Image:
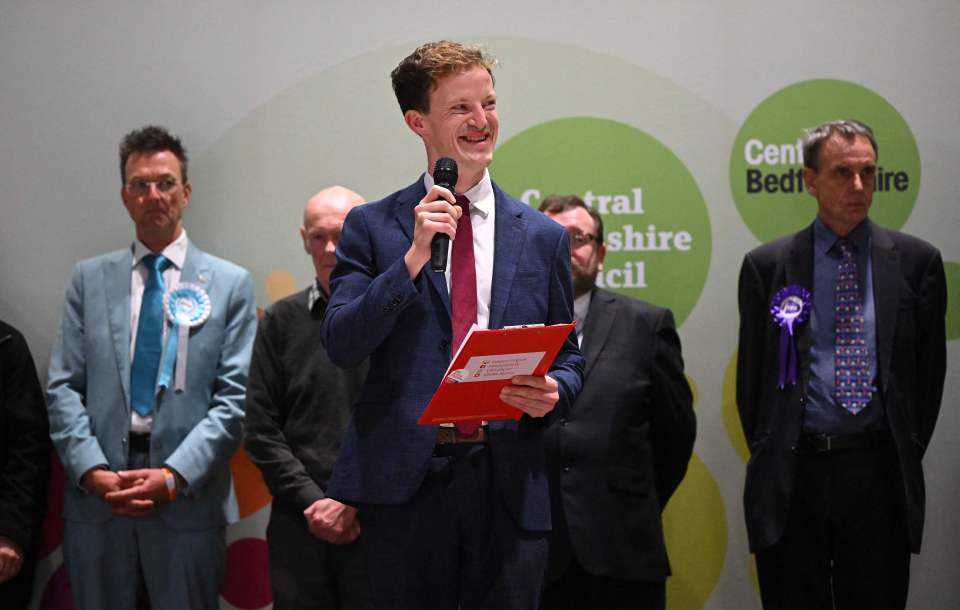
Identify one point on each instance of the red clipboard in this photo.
(486, 361)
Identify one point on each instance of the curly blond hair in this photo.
(418, 73)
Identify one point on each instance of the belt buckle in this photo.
(447, 436)
(451, 436)
(829, 439)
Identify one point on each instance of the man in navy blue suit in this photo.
(452, 516)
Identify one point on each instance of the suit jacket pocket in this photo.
(918, 445)
(635, 481)
(907, 303)
(630, 459)
(758, 442)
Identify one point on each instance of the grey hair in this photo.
(814, 138)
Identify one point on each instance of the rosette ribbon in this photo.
(186, 306)
(790, 307)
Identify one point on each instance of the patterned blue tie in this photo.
(852, 365)
(146, 355)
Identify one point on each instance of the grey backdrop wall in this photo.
(275, 101)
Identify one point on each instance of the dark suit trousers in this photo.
(453, 544)
(577, 589)
(845, 543)
(307, 573)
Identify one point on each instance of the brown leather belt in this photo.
(451, 436)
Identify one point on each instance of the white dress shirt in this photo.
(176, 252)
(581, 305)
(482, 220)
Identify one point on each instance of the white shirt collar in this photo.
(581, 305)
(314, 294)
(480, 194)
(176, 251)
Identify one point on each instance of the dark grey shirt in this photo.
(298, 402)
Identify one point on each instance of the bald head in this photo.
(322, 219)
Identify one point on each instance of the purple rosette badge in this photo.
(790, 307)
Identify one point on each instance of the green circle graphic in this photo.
(656, 226)
(952, 271)
(766, 160)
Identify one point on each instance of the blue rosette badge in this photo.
(790, 307)
(186, 306)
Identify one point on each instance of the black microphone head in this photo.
(445, 173)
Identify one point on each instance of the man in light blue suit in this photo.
(452, 517)
(148, 490)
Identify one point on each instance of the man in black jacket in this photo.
(839, 378)
(24, 466)
(298, 404)
(617, 455)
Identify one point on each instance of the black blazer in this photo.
(910, 296)
(24, 458)
(618, 453)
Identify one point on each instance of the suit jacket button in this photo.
(566, 469)
(563, 421)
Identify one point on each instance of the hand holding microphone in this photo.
(436, 221)
(445, 175)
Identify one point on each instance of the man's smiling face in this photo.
(462, 123)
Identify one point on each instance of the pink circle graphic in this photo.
(247, 584)
(56, 595)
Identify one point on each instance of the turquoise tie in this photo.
(146, 355)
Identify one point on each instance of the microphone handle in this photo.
(439, 246)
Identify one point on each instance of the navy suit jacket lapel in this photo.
(509, 234)
(885, 260)
(116, 277)
(603, 309)
(406, 201)
(798, 271)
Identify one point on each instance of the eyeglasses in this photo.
(139, 186)
(579, 240)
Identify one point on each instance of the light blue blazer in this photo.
(195, 432)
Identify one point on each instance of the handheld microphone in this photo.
(445, 174)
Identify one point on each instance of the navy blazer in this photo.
(404, 326)
(910, 296)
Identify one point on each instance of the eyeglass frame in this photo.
(140, 186)
(579, 240)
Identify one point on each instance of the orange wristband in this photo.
(171, 484)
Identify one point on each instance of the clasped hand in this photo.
(11, 559)
(332, 521)
(131, 493)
